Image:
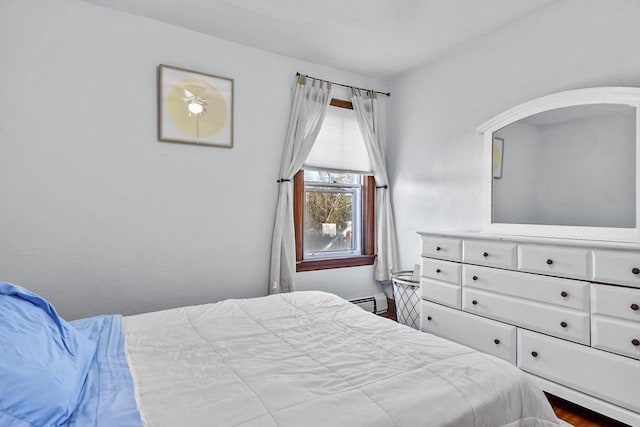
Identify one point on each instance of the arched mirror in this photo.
(565, 165)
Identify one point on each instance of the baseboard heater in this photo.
(375, 303)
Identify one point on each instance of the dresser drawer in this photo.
(615, 319)
(476, 332)
(616, 335)
(494, 254)
(552, 290)
(617, 267)
(441, 247)
(604, 375)
(616, 301)
(441, 292)
(555, 261)
(441, 270)
(565, 323)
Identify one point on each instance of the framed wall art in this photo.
(498, 150)
(194, 108)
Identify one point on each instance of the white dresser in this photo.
(565, 311)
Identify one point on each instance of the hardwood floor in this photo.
(579, 416)
(391, 310)
(566, 411)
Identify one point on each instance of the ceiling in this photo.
(377, 38)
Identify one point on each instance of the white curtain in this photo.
(309, 105)
(366, 109)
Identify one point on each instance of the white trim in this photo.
(600, 95)
(596, 95)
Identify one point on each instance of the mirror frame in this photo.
(599, 95)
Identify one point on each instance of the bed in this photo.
(298, 359)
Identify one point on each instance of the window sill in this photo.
(325, 264)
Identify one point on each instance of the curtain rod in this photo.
(343, 85)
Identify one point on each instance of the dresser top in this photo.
(596, 244)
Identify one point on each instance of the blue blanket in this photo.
(56, 373)
(107, 398)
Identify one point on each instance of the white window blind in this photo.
(339, 145)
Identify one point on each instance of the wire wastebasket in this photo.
(406, 293)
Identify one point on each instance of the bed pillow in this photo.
(43, 361)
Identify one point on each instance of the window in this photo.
(334, 197)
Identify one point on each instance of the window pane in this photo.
(332, 177)
(329, 218)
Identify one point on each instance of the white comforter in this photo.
(312, 359)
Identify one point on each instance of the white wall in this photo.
(514, 196)
(434, 152)
(95, 213)
(600, 189)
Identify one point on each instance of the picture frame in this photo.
(498, 152)
(194, 107)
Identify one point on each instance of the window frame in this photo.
(367, 244)
(355, 190)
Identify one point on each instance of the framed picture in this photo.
(498, 149)
(194, 108)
